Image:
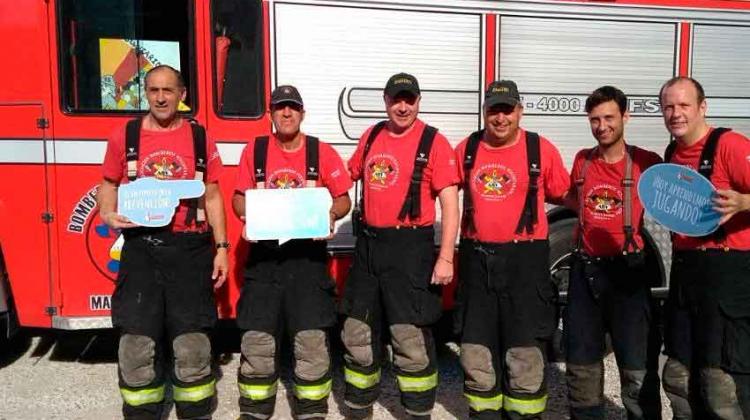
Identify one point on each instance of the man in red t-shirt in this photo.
(506, 307)
(403, 165)
(609, 288)
(164, 285)
(287, 290)
(707, 314)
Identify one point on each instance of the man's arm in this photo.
(238, 205)
(217, 221)
(106, 198)
(443, 271)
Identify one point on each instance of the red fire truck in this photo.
(73, 70)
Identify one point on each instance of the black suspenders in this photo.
(412, 202)
(470, 154)
(529, 214)
(312, 153)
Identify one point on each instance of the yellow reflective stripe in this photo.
(485, 403)
(142, 396)
(417, 384)
(535, 406)
(313, 392)
(194, 393)
(361, 380)
(258, 392)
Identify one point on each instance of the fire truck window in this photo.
(106, 48)
(238, 57)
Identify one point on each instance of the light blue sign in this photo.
(679, 198)
(151, 202)
(284, 214)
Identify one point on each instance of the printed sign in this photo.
(151, 202)
(285, 214)
(679, 198)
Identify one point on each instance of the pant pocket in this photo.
(360, 294)
(735, 353)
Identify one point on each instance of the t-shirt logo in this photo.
(382, 171)
(604, 202)
(494, 182)
(285, 178)
(164, 164)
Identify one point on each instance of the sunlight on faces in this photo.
(684, 115)
(287, 118)
(402, 110)
(502, 121)
(164, 93)
(607, 123)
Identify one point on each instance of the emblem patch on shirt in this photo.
(286, 178)
(604, 202)
(382, 171)
(494, 182)
(164, 164)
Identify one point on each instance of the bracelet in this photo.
(446, 260)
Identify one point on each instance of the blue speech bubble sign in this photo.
(284, 214)
(151, 202)
(679, 198)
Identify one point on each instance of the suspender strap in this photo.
(669, 151)
(580, 179)
(412, 203)
(132, 146)
(196, 207)
(311, 160)
(260, 150)
(470, 154)
(627, 215)
(529, 214)
(706, 164)
(359, 204)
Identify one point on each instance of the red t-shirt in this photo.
(163, 155)
(389, 166)
(499, 183)
(731, 171)
(604, 198)
(285, 169)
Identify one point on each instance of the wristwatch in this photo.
(224, 244)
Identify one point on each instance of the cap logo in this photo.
(501, 89)
(287, 90)
(402, 80)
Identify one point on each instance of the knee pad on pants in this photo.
(136, 359)
(676, 379)
(357, 338)
(476, 360)
(585, 384)
(311, 355)
(192, 356)
(720, 393)
(258, 354)
(409, 348)
(525, 369)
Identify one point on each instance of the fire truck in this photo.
(73, 72)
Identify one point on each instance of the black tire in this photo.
(561, 247)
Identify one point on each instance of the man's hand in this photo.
(443, 271)
(221, 268)
(116, 221)
(729, 203)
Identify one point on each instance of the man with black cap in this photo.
(506, 300)
(404, 165)
(287, 290)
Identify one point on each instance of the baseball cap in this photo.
(502, 92)
(286, 93)
(401, 82)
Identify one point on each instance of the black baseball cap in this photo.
(401, 82)
(502, 92)
(286, 93)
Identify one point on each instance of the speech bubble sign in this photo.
(284, 214)
(679, 198)
(151, 202)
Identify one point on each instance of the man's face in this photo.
(607, 123)
(164, 94)
(287, 118)
(402, 109)
(501, 121)
(684, 116)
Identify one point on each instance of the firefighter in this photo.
(404, 165)
(287, 290)
(164, 294)
(707, 325)
(506, 298)
(609, 288)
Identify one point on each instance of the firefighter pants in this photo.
(287, 294)
(389, 289)
(506, 305)
(608, 295)
(707, 335)
(163, 305)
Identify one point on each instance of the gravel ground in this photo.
(72, 375)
